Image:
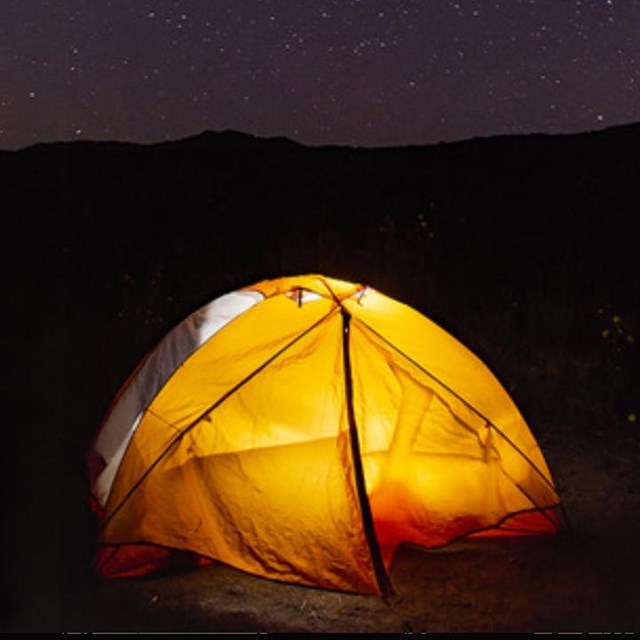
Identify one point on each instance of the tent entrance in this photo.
(367, 518)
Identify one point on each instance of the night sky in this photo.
(349, 72)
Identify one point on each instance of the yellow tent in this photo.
(301, 429)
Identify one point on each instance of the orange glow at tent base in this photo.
(302, 429)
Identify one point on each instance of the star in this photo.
(464, 62)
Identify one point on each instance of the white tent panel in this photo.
(156, 369)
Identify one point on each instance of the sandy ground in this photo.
(586, 580)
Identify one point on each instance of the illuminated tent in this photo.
(301, 429)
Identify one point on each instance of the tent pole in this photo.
(367, 518)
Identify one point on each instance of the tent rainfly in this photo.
(301, 429)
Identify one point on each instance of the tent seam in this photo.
(464, 401)
(217, 403)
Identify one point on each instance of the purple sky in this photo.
(352, 72)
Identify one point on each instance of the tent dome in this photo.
(303, 428)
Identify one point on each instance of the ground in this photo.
(583, 581)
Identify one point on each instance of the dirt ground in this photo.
(584, 581)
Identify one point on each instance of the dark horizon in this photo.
(251, 137)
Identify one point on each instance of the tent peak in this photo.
(314, 283)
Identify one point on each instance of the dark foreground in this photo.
(583, 581)
(524, 248)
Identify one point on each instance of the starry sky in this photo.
(349, 72)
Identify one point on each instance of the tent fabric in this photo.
(308, 431)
